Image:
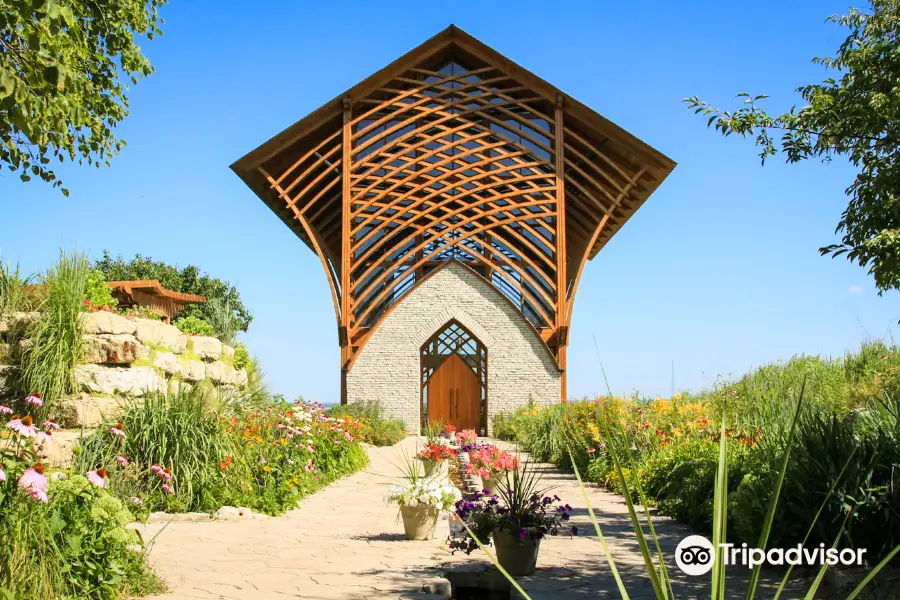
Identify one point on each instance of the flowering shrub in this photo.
(429, 491)
(448, 432)
(436, 452)
(63, 536)
(489, 460)
(466, 436)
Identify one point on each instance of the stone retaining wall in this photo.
(124, 358)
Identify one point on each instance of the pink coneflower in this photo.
(337, 442)
(167, 488)
(348, 436)
(24, 426)
(43, 437)
(136, 500)
(51, 424)
(122, 460)
(97, 477)
(33, 478)
(2, 474)
(37, 494)
(166, 474)
(590, 450)
(34, 400)
(5, 410)
(118, 430)
(156, 469)
(309, 466)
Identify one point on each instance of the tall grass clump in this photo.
(181, 430)
(55, 339)
(14, 294)
(220, 314)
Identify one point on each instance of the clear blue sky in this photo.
(719, 271)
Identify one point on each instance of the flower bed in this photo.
(264, 458)
(671, 445)
(63, 535)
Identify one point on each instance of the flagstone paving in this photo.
(344, 542)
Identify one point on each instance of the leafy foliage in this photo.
(242, 358)
(189, 280)
(195, 326)
(856, 116)
(64, 73)
(97, 292)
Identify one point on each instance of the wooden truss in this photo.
(453, 152)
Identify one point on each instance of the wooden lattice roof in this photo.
(454, 152)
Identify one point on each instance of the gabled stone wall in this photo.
(124, 358)
(520, 368)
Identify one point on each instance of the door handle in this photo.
(457, 403)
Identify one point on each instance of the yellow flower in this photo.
(267, 468)
(290, 485)
(283, 442)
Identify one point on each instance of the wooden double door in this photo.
(454, 395)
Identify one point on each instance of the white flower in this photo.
(412, 502)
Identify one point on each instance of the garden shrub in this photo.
(241, 356)
(193, 325)
(96, 292)
(375, 428)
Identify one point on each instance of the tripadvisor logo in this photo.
(695, 555)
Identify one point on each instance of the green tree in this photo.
(856, 116)
(189, 280)
(64, 68)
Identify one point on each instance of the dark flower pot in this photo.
(517, 556)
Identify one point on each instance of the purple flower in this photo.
(523, 534)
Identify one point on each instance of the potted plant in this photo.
(466, 437)
(449, 433)
(489, 462)
(421, 502)
(516, 520)
(433, 457)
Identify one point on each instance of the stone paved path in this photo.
(343, 542)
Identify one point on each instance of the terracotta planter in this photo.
(433, 467)
(419, 522)
(517, 556)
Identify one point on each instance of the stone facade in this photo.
(125, 358)
(520, 367)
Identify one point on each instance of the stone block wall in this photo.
(520, 368)
(125, 358)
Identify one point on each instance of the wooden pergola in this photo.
(151, 294)
(453, 152)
